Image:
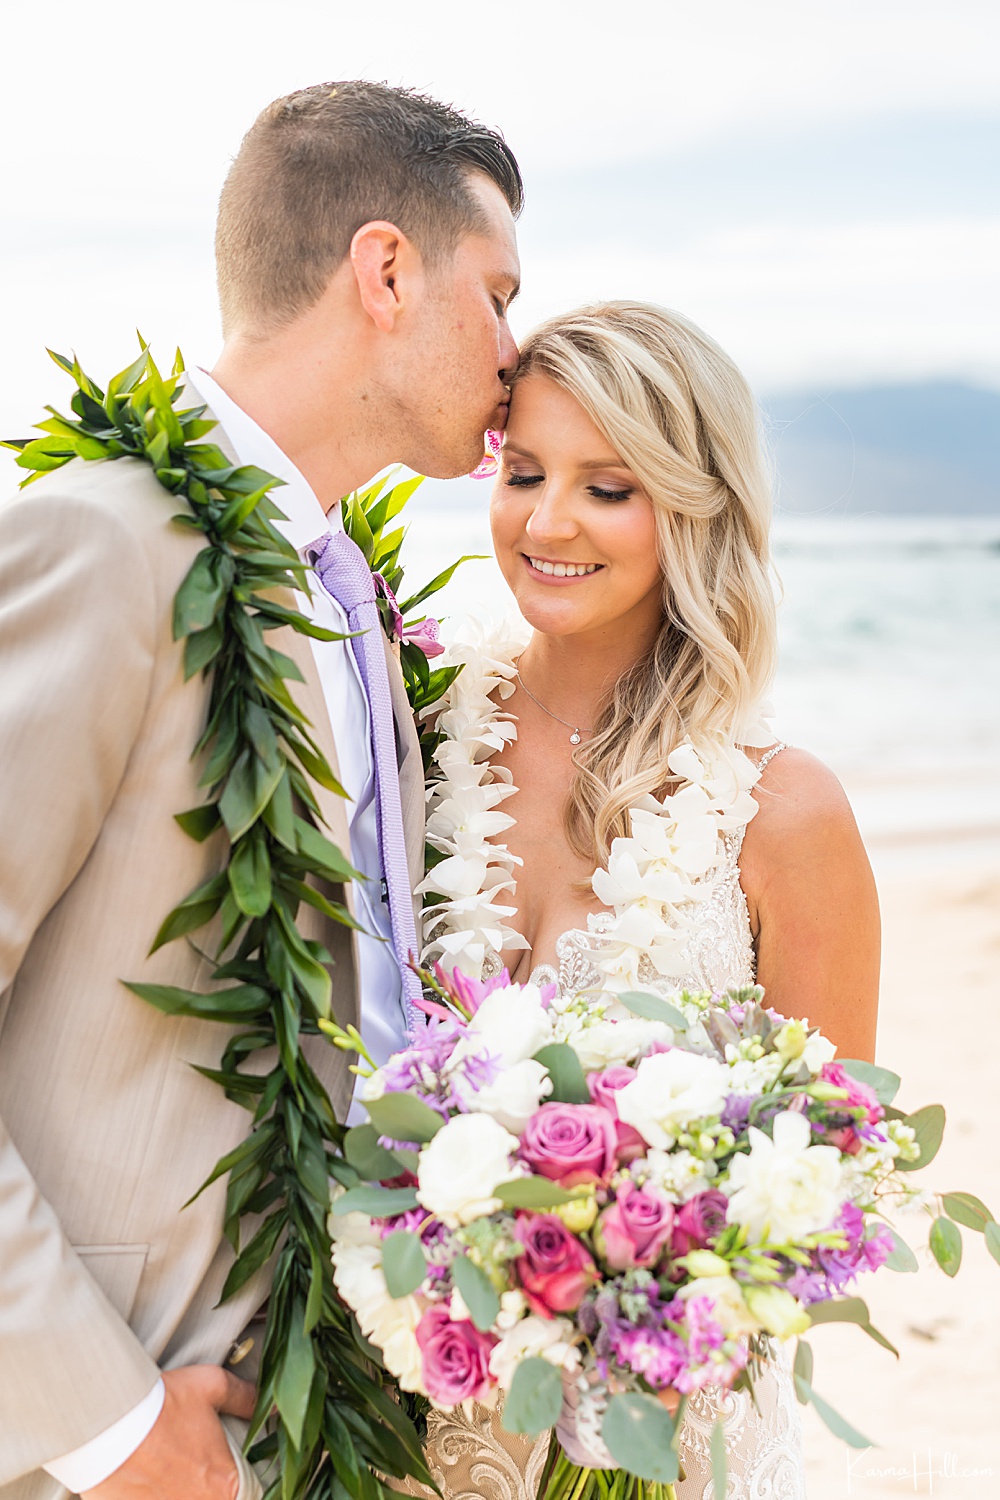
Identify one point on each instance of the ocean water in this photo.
(890, 654)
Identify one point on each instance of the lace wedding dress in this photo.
(473, 1458)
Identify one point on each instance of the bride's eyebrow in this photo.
(521, 452)
(605, 463)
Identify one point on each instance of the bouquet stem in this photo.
(562, 1480)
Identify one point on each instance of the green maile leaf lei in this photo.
(324, 1414)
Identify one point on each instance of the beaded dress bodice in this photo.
(473, 1457)
(719, 953)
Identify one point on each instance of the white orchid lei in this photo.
(654, 879)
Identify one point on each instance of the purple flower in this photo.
(834, 1271)
(655, 1353)
(469, 993)
(710, 1358)
(736, 1112)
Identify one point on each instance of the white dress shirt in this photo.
(383, 1015)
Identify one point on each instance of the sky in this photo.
(815, 183)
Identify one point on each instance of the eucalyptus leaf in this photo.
(381, 1202)
(717, 1456)
(478, 1292)
(884, 1083)
(945, 1240)
(992, 1236)
(803, 1365)
(569, 1085)
(404, 1117)
(837, 1424)
(639, 1433)
(928, 1123)
(653, 1008)
(533, 1192)
(404, 1263)
(901, 1257)
(967, 1209)
(534, 1400)
(372, 1161)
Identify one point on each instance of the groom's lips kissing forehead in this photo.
(559, 570)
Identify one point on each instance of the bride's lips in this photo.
(555, 578)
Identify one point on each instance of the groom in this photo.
(366, 260)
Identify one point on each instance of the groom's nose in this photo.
(509, 356)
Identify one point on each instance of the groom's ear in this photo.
(385, 263)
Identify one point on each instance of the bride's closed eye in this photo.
(524, 479)
(599, 494)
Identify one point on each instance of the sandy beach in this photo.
(933, 1414)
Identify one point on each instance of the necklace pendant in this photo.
(575, 737)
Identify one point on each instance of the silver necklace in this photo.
(578, 732)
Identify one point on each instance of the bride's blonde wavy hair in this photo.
(679, 414)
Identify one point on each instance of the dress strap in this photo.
(766, 760)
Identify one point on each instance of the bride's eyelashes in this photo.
(599, 494)
(526, 481)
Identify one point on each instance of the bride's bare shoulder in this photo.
(803, 817)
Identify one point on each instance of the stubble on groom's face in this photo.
(463, 354)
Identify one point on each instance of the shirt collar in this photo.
(305, 521)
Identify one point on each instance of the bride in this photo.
(630, 521)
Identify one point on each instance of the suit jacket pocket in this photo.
(250, 1486)
(116, 1269)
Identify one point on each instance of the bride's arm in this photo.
(813, 906)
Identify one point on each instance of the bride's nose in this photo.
(553, 517)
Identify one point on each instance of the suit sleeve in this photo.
(77, 645)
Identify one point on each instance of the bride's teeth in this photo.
(562, 570)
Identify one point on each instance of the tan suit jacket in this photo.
(105, 1127)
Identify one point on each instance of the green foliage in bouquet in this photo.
(323, 1413)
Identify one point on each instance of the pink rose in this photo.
(859, 1095)
(456, 1358)
(603, 1088)
(845, 1138)
(636, 1226)
(571, 1143)
(698, 1222)
(554, 1268)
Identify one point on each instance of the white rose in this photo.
(785, 1188)
(390, 1323)
(670, 1090)
(817, 1051)
(460, 1168)
(731, 1312)
(542, 1338)
(513, 1096)
(608, 1043)
(511, 1024)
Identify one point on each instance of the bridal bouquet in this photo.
(582, 1205)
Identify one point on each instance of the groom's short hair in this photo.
(321, 162)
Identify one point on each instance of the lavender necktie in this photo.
(341, 568)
